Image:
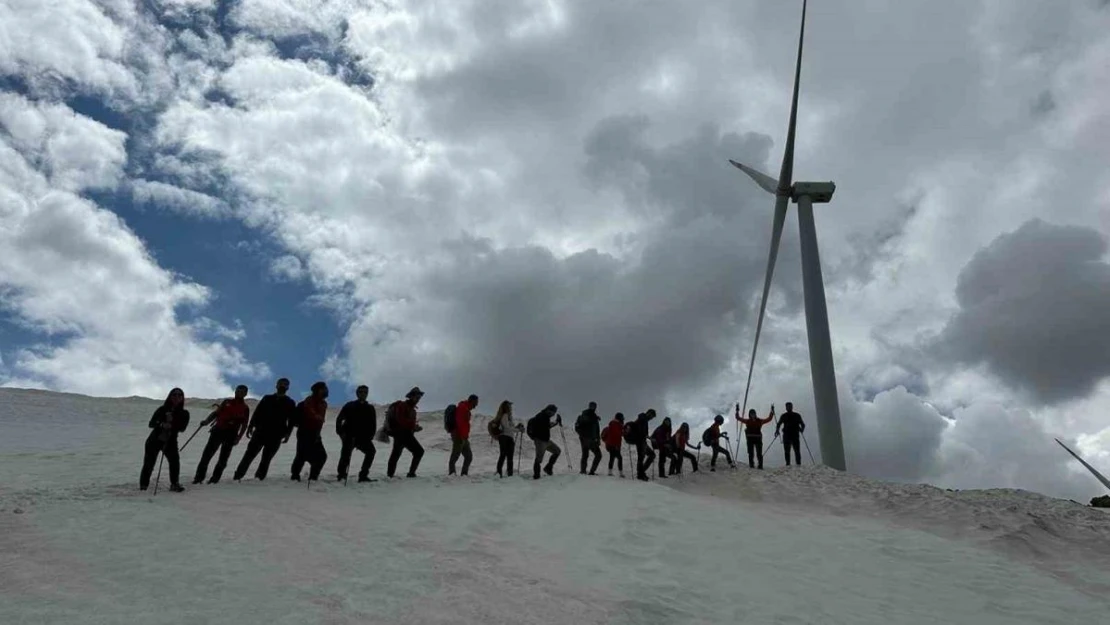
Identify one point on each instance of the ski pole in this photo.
(566, 447)
(191, 437)
(158, 478)
(807, 448)
(519, 449)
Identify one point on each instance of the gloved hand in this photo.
(167, 425)
(520, 427)
(559, 420)
(417, 429)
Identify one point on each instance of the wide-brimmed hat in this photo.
(415, 392)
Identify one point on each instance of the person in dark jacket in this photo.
(588, 428)
(792, 426)
(638, 436)
(681, 442)
(309, 421)
(661, 441)
(229, 424)
(402, 426)
(539, 430)
(712, 437)
(168, 420)
(356, 424)
(267, 430)
(612, 436)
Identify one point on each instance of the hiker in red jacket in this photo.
(231, 420)
(460, 436)
(661, 441)
(612, 438)
(753, 433)
(681, 442)
(311, 414)
(400, 421)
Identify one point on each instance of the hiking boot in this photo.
(713, 469)
(295, 478)
(535, 476)
(214, 481)
(622, 475)
(410, 474)
(592, 473)
(143, 486)
(364, 478)
(582, 472)
(643, 478)
(549, 470)
(610, 473)
(177, 488)
(198, 480)
(340, 478)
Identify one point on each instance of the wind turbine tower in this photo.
(805, 195)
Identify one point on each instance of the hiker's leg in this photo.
(467, 456)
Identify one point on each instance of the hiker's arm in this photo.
(243, 425)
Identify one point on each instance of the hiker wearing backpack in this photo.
(311, 414)
(459, 426)
(402, 426)
(611, 435)
(504, 429)
(753, 433)
(661, 441)
(711, 437)
(539, 430)
(636, 434)
(355, 425)
(681, 442)
(792, 427)
(229, 425)
(588, 428)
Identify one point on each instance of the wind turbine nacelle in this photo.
(818, 192)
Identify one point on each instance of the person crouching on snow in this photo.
(311, 414)
(169, 420)
(231, 420)
(539, 430)
(400, 421)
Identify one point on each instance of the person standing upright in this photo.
(268, 429)
(612, 435)
(460, 435)
(168, 420)
(753, 433)
(356, 424)
(311, 414)
(230, 419)
(661, 441)
(681, 443)
(792, 426)
(588, 428)
(636, 433)
(506, 429)
(401, 424)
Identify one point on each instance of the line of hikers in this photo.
(277, 415)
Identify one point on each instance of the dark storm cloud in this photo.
(1034, 306)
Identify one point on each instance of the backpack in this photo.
(630, 433)
(390, 418)
(580, 424)
(449, 418)
(494, 428)
(604, 432)
(707, 436)
(530, 430)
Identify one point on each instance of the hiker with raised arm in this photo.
(612, 437)
(356, 424)
(792, 426)
(268, 429)
(539, 430)
(504, 429)
(588, 428)
(229, 425)
(168, 420)
(401, 424)
(681, 445)
(309, 421)
(460, 434)
(711, 438)
(753, 434)
(661, 442)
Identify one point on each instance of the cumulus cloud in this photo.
(1033, 308)
(170, 197)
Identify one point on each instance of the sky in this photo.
(532, 200)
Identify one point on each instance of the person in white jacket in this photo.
(506, 437)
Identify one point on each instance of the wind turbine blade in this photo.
(767, 183)
(1094, 471)
(786, 176)
(776, 235)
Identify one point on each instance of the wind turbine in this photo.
(1100, 477)
(804, 194)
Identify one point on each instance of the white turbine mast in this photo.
(804, 194)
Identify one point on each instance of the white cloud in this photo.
(74, 270)
(170, 197)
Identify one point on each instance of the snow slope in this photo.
(80, 544)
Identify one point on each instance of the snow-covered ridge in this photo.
(80, 543)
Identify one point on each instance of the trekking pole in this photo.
(158, 478)
(563, 433)
(807, 448)
(519, 448)
(191, 438)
